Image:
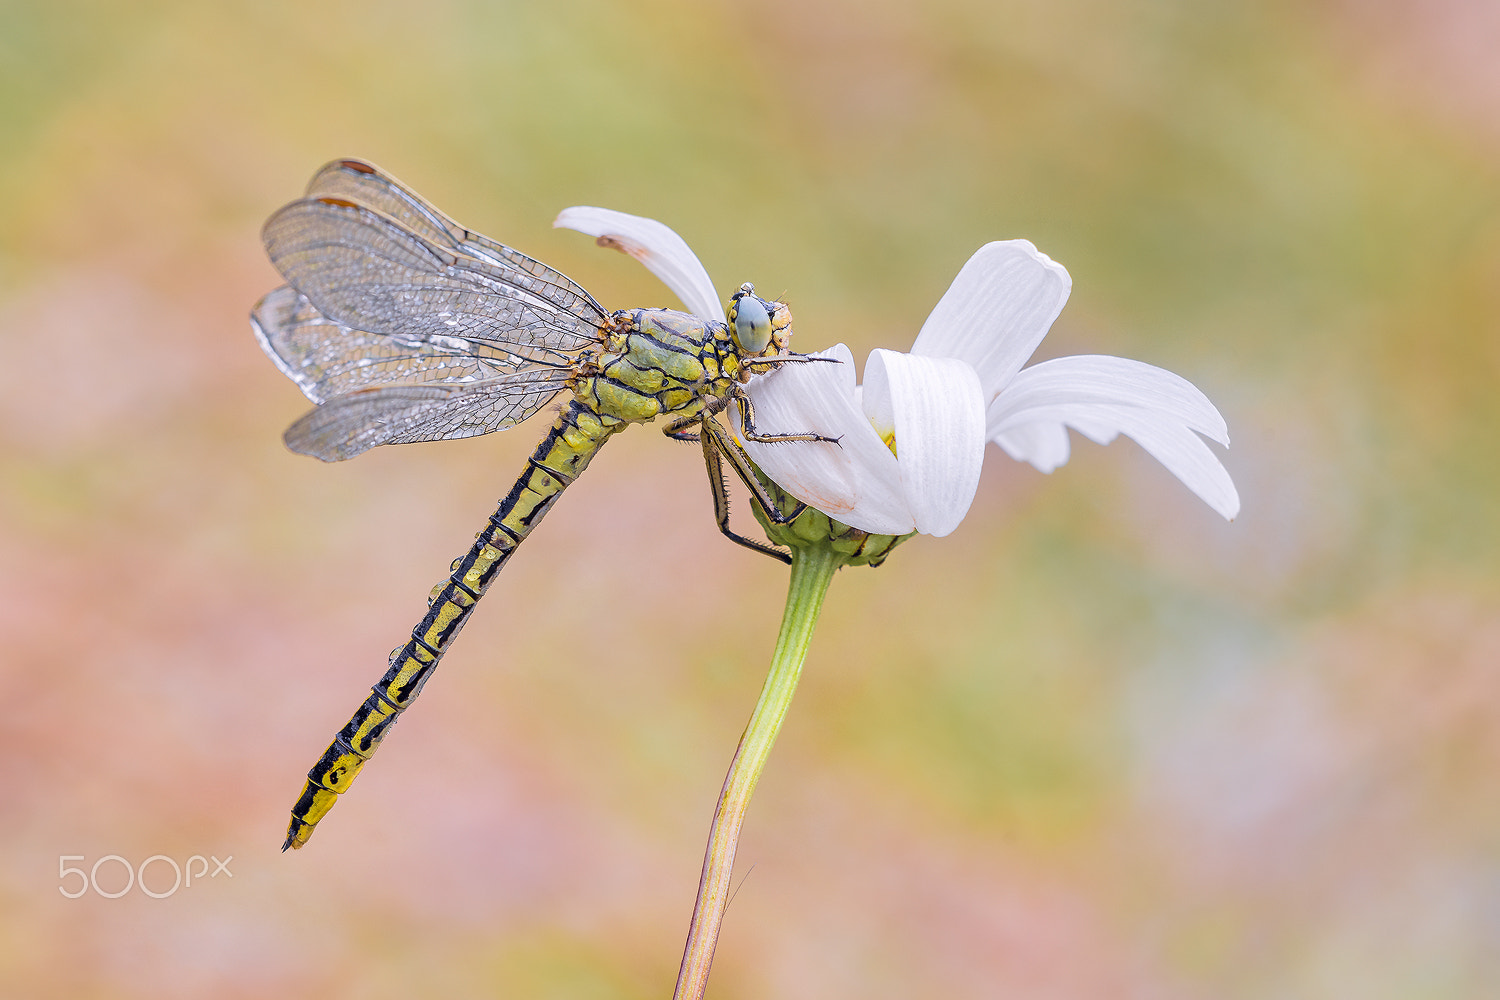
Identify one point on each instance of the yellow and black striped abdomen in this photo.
(575, 436)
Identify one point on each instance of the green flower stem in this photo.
(812, 570)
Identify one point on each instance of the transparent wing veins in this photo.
(365, 184)
(348, 425)
(405, 326)
(326, 359)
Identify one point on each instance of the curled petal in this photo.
(1167, 439)
(857, 480)
(1098, 378)
(664, 253)
(936, 408)
(997, 311)
(1043, 445)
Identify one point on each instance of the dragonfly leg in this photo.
(683, 428)
(743, 467)
(766, 364)
(747, 422)
(713, 444)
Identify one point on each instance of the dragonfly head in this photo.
(760, 328)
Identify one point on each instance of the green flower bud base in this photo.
(812, 527)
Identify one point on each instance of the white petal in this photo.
(997, 311)
(936, 408)
(663, 252)
(1044, 445)
(1166, 438)
(857, 480)
(1098, 378)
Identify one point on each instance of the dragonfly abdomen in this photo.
(574, 438)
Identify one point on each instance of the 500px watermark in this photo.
(135, 877)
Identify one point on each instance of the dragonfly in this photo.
(403, 326)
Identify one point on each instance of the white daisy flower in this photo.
(911, 439)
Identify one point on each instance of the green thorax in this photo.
(660, 361)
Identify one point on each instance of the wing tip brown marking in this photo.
(357, 165)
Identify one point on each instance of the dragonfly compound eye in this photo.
(752, 322)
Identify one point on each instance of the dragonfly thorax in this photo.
(660, 361)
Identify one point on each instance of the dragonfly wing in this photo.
(363, 270)
(327, 359)
(355, 422)
(366, 184)
(293, 334)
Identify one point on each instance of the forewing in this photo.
(326, 359)
(363, 270)
(366, 184)
(355, 422)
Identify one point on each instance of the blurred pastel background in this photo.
(1096, 743)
